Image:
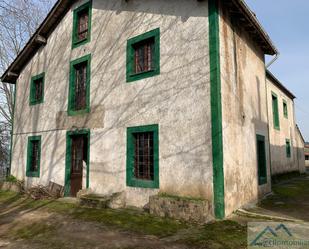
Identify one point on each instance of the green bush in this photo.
(11, 178)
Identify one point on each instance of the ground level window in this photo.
(288, 148)
(142, 156)
(261, 160)
(33, 156)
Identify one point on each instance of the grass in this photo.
(34, 230)
(224, 234)
(221, 234)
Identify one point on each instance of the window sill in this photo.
(76, 44)
(33, 174)
(79, 112)
(138, 183)
(142, 75)
(36, 102)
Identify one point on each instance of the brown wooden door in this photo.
(77, 164)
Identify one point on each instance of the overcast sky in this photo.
(287, 23)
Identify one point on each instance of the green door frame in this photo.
(67, 179)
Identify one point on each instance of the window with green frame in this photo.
(285, 109)
(275, 111)
(143, 56)
(288, 148)
(79, 87)
(261, 160)
(37, 89)
(143, 156)
(82, 25)
(33, 156)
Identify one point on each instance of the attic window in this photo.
(81, 25)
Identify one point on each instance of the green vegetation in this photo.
(11, 178)
(33, 230)
(224, 234)
(221, 234)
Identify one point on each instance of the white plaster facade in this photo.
(177, 100)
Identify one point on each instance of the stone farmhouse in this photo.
(142, 97)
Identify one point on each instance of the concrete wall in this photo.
(178, 100)
(280, 163)
(244, 111)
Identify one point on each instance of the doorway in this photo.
(77, 162)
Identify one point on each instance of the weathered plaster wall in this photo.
(280, 163)
(244, 113)
(178, 100)
(300, 152)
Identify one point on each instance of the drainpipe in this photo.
(269, 145)
(273, 60)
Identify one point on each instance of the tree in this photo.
(18, 21)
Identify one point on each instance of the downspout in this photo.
(267, 107)
(273, 60)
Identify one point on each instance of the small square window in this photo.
(143, 56)
(142, 157)
(81, 25)
(285, 109)
(37, 89)
(34, 156)
(79, 86)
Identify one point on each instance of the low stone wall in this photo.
(11, 186)
(181, 208)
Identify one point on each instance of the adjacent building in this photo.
(307, 154)
(147, 97)
(286, 142)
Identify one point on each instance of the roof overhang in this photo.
(240, 10)
(37, 40)
(277, 83)
(237, 8)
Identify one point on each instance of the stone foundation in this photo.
(181, 208)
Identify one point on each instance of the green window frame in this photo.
(288, 148)
(33, 85)
(261, 159)
(71, 99)
(285, 109)
(31, 141)
(75, 41)
(131, 44)
(131, 180)
(275, 111)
